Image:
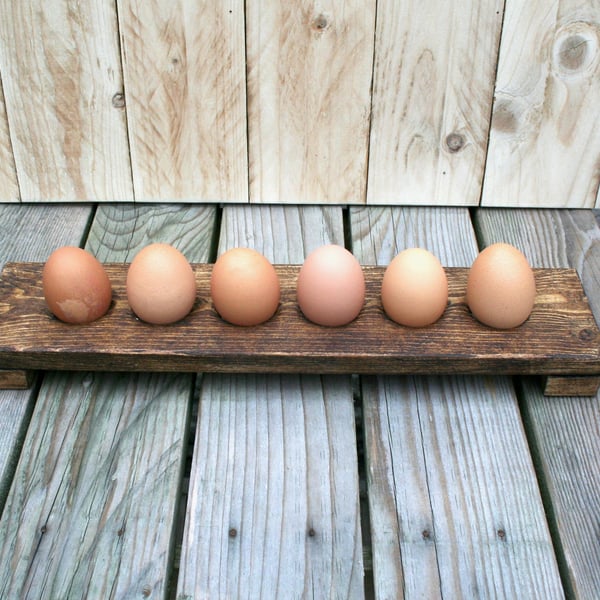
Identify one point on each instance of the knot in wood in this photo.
(146, 591)
(586, 335)
(501, 534)
(573, 52)
(320, 23)
(118, 100)
(233, 532)
(455, 142)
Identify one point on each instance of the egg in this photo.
(331, 286)
(161, 285)
(501, 287)
(75, 285)
(244, 287)
(414, 289)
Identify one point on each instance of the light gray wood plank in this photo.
(9, 187)
(564, 431)
(92, 512)
(29, 233)
(453, 497)
(273, 506)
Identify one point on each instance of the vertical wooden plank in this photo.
(545, 138)
(184, 69)
(273, 505)
(454, 505)
(564, 430)
(432, 92)
(92, 510)
(309, 78)
(61, 71)
(9, 189)
(20, 228)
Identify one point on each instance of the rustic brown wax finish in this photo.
(560, 337)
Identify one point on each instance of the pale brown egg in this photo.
(244, 287)
(331, 286)
(414, 290)
(161, 285)
(501, 287)
(76, 286)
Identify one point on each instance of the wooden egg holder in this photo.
(559, 341)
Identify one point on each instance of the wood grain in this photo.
(545, 127)
(184, 70)
(273, 505)
(61, 71)
(309, 76)
(432, 93)
(9, 188)
(560, 336)
(455, 510)
(564, 431)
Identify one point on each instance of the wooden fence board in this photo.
(545, 127)
(564, 430)
(309, 77)
(273, 504)
(184, 71)
(432, 93)
(20, 228)
(454, 503)
(9, 189)
(61, 70)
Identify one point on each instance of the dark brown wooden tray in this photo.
(560, 339)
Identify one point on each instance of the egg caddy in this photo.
(560, 339)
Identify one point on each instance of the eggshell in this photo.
(161, 285)
(76, 286)
(244, 287)
(501, 287)
(414, 290)
(331, 286)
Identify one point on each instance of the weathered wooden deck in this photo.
(281, 486)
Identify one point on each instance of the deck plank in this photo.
(273, 505)
(454, 503)
(92, 512)
(20, 228)
(564, 431)
(9, 187)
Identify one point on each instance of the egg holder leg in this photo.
(560, 341)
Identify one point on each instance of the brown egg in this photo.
(161, 285)
(244, 287)
(414, 290)
(331, 286)
(76, 286)
(501, 287)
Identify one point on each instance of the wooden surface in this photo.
(544, 140)
(220, 485)
(336, 102)
(455, 509)
(559, 337)
(274, 471)
(428, 127)
(563, 432)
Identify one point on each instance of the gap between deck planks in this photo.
(454, 502)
